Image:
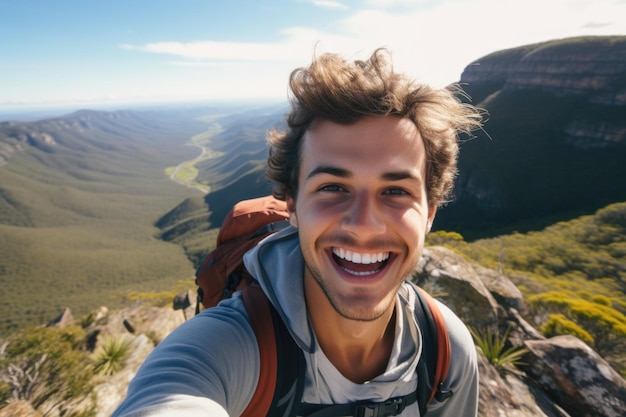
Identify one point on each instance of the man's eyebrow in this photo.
(330, 170)
(399, 176)
(344, 173)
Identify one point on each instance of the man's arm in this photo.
(209, 366)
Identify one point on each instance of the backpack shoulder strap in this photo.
(434, 363)
(257, 307)
(282, 367)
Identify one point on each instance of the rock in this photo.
(182, 300)
(565, 67)
(449, 277)
(62, 320)
(521, 330)
(502, 289)
(111, 392)
(185, 301)
(154, 322)
(19, 409)
(510, 394)
(576, 377)
(128, 326)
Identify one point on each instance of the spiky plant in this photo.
(111, 354)
(492, 345)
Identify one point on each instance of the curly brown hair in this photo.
(340, 91)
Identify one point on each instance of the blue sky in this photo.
(89, 53)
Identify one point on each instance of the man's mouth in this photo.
(360, 263)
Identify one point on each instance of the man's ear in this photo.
(431, 218)
(291, 207)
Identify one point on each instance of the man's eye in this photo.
(396, 191)
(332, 188)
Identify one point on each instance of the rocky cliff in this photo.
(555, 139)
(592, 67)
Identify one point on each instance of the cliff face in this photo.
(574, 67)
(555, 140)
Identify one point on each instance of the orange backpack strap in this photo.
(258, 308)
(283, 367)
(443, 345)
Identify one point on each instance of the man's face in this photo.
(362, 212)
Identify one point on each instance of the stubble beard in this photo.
(359, 312)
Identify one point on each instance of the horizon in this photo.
(72, 55)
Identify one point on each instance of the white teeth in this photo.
(360, 258)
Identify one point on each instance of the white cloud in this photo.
(390, 3)
(329, 4)
(432, 44)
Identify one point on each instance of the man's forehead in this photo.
(390, 146)
(382, 129)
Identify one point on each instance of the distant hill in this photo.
(237, 173)
(79, 196)
(555, 142)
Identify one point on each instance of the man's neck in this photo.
(360, 350)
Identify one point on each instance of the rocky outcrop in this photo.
(512, 395)
(149, 326)
(554, 140)
(447, 275)
(154, 322)
(562, 376)
(568, 67)
(577, 378)
(62, 320)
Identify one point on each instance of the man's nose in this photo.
(365, 216)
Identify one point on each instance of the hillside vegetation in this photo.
(77, 211)
(572, 275)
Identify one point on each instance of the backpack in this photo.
(281, 380)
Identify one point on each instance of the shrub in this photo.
(558, 324)
(111, 354)
(47, 367)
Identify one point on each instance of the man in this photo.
(367, 159)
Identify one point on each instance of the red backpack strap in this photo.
(283, 367)
(443, 343)
(258, 308)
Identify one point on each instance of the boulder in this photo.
(576, 377)
(521, 330)
(154, 322)
(505, 393)
(449, 277)
(185, 301)
(502, 289)
(62, 320)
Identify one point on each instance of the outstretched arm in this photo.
(208, 366)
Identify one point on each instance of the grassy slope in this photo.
(77, 220)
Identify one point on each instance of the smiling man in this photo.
(367, 159)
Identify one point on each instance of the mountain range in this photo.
(88, 211)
